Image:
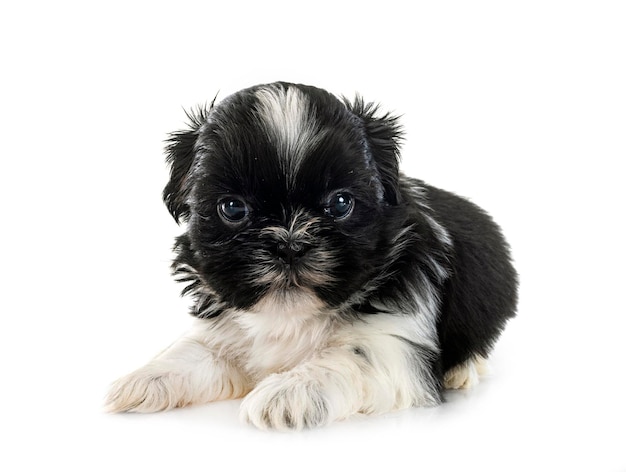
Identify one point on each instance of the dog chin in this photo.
(289, 300)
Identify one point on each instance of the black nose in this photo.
(291, 252)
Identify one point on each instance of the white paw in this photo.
(465, 375)
(143, 392)
(286, 401)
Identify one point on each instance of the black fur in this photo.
(388, 256)
(481, 293)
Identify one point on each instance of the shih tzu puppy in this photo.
(324, 282)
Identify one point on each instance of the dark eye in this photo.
(340, 205)
(232, 209)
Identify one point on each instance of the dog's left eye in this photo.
(340, 205)
(232, 209)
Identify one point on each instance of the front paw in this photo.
(286, 401)
(142, 392)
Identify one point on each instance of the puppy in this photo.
(324, 282)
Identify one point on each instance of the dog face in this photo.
(286, 191)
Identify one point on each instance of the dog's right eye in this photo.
(232, 209)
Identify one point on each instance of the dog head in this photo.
(286, 190)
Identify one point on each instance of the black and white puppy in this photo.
(325, 282)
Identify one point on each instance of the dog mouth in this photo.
(303, 274)
(315, 269)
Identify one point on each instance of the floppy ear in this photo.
(180, 153)
(384, 135)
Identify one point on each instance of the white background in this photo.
(520, 106)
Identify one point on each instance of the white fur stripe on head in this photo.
(289, 122)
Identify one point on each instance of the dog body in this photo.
(325, 282)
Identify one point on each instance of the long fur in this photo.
(311, 312)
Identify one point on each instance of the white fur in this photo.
(288, 120)
(440, 232)
(419, 196)
(362, 367)
(302, 365)
(187, 372)
(465, 375)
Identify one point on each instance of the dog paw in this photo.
(142, 392)
(286, 401)
(465, 375)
